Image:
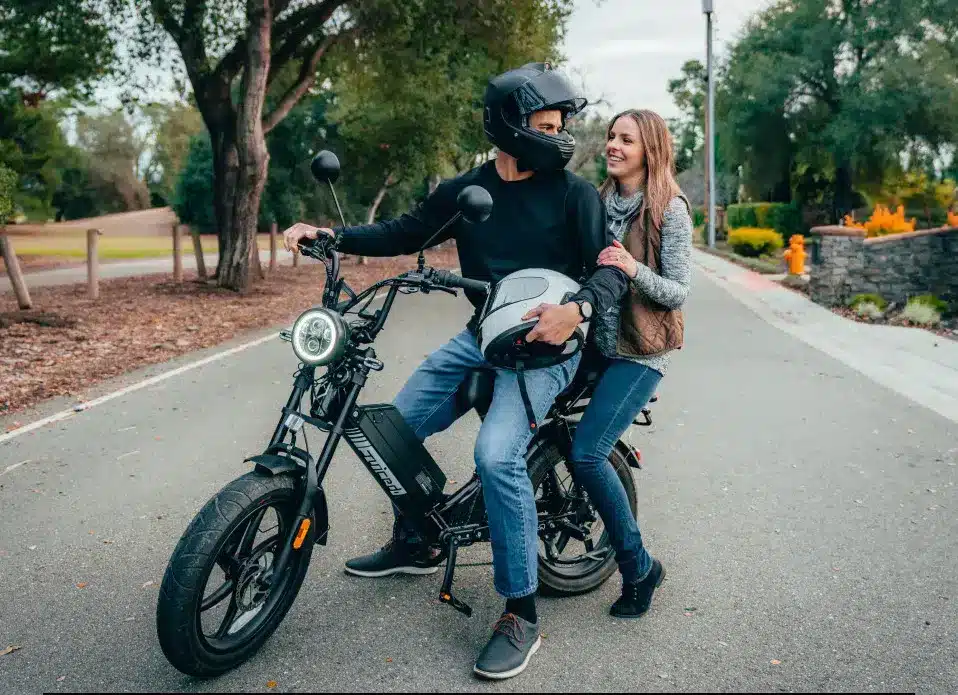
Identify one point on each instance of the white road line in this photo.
(65, 414)
(14, 466)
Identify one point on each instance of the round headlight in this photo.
(319, 337)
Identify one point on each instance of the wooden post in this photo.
(177, 253)
(13, 270)
(272, 247)
(93, 263)
(198, 250)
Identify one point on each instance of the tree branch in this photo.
(305, 80)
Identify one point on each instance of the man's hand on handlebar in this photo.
(300, 231)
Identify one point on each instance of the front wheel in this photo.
(578, 558)
(212, 613)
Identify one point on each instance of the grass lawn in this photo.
(73, 246)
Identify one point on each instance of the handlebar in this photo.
(444, 278)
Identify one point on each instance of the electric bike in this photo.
(230, 581)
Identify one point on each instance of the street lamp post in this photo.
(708, 9)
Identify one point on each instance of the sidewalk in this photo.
(121, 269)
(915, 363)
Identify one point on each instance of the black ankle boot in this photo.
(636, 598)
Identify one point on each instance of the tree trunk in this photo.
(377, 201)
(843, 191)
(252, 155)
(225, 166)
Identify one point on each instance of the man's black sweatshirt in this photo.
(551, 220)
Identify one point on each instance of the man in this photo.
(542, 217)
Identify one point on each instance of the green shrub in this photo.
(934, 217)
(784, 218)
(875, 299)
(921, 314)
(740, 215)
(931, 301)
(754, 241)
(867, 310)
(698, 217)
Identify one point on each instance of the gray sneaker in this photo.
(508, 652)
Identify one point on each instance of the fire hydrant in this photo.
(795, 254)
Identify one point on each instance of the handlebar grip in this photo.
(447, 279)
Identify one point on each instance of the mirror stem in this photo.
(336, 200)
(452, 220)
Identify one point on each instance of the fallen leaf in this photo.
(688, 614)
(271, 684)
(81, 585)
(146, 584)
(32, 547)
(388, 660)
(92, 532)
(107, 542)
(61, 679)
(9, 650)
(157, 437)
(129, 620)
(775, 662)
(11, 428)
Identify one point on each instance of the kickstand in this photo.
(445, 593)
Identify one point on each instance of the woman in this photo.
(651, 223)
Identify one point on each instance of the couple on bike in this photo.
(632, 240)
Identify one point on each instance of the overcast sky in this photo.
(626, 51)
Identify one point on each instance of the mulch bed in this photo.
(70, 342)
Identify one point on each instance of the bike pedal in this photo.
(460, 606)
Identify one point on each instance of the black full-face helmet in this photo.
(514, 96)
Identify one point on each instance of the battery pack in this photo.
(400, 463)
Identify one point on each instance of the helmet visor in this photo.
(550, 90)
(512, 290)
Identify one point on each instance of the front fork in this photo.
(314, 474)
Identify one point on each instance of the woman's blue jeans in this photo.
(622, 391)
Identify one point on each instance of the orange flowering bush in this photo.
(883, 221)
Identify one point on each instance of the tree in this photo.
(173, 128)
(689, 94)
(32, 145)
(834, 90)
(235, 54)
(52, 44)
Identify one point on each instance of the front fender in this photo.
(271, 464)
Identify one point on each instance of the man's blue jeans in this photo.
(428, 404)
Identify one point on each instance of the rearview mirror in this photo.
(475, 203)
(325, 167)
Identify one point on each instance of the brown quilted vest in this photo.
(645, 327)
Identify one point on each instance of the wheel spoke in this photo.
(219, 595)
(249, 533)
(227, 619)
(561, 542)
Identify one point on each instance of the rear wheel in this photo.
(579, 557)
(212, 613)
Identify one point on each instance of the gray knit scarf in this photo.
(621, 212)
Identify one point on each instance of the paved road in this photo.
(121, 269)
(806, 514)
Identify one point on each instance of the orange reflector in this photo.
(301, 534)
(638, 455)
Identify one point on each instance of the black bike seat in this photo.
(476, 391)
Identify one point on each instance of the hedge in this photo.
(784, 218)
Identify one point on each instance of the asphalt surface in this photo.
(806, 517)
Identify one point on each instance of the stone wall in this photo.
(896, 266)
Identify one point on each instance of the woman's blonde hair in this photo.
(659, 185)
